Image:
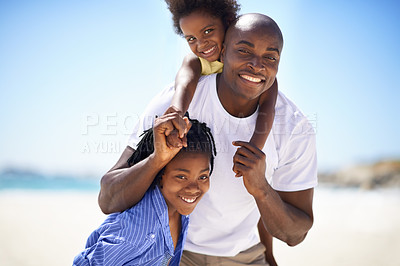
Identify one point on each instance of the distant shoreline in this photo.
(382, 174)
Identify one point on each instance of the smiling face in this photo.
(204, 34)
(251, 57)
(185, 180)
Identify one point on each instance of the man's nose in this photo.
(256, 63)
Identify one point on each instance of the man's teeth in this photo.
(252, 79)
(188, 200)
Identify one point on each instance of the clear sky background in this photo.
(75, 76)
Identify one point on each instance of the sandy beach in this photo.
(352, 227)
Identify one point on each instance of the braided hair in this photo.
(199, 139)
(227, 10)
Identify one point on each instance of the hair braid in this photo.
(199, 139)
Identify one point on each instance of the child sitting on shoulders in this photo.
(203, 24)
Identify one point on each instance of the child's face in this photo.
(185, 180)
(204, 34)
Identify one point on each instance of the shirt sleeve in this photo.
(107, 253)
(297, 166)
(157, 107)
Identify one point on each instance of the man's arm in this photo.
(123, 186)
(287, 216)
(292, 215)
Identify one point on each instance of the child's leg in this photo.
(266, 116)
(266, 240)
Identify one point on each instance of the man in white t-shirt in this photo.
(277, 182)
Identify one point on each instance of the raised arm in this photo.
(123, 186)
(185, 84)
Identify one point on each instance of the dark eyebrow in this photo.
(273, 49)
(252, 45)
(246, 43)
(206, 169)
(187, 171)
(208, 26)
(181, 170)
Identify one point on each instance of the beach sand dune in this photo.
(352, 227)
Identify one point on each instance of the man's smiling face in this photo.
(251, 58)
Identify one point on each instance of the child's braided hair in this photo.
(227, 10)
(199, 139)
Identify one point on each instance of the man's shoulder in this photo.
(287, 113)
(285, 105)
(205, 86)
(207, 80)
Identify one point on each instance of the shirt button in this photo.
(152, 236)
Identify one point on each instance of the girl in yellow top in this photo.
(203, 24)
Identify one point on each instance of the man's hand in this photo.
(249, 162)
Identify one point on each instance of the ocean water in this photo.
(32, 181)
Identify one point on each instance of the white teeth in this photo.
(251, 78)
(209, 50)
(188, 200)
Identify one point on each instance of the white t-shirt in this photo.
(224, 222)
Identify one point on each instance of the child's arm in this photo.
(266, 240)
(266, 116)
(185, 84)
(123, 186)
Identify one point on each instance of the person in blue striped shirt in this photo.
(153, 232)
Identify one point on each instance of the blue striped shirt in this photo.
(137, 236)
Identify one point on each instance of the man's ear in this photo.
(222, 53)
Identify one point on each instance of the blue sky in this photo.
(75, 75)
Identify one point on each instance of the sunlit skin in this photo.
(184, 182)
(204, 34)
(251, 59)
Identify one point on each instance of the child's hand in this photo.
(164, 127)
(174, 141)
(175, 138)
(181, 123)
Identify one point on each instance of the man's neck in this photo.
(234, 104)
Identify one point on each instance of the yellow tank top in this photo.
(208, 68)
